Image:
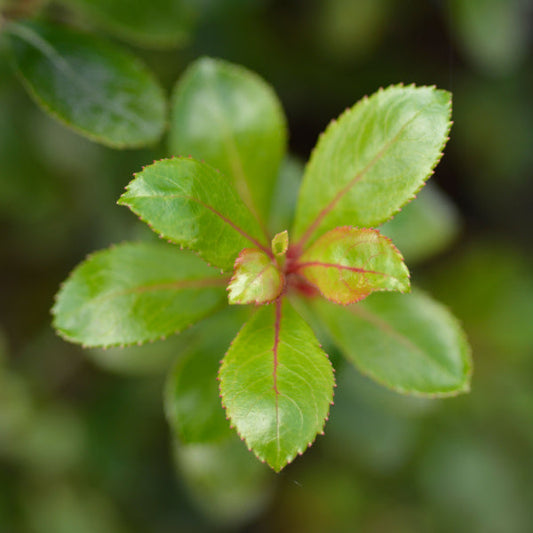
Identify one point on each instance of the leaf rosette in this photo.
(275, 381)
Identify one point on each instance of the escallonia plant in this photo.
(215, 199)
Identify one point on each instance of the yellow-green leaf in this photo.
(257, 278)
(347, 264)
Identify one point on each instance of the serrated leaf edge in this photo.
(299, 450)
(243, 188)
(233, 278)
(463, 388)
(307, 234)
(380, 289)
(147, 340)
(236, 227)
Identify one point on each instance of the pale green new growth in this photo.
(347, 264)
(257, 279)
(280, 243)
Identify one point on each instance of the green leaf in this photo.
(276, 384)
(192, 398)
(154, 24)
(191, 204)
(280, 243)
(409, 343)
(97, 89)
(230, 118)
(134, 293)
(372, 160)
(347, 264)
(424, 227)
(192, 401)
(257, 279)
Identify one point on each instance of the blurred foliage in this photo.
(161, 24)
(84, 449)
(494, 34)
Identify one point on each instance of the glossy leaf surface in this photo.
(97, 89)
(157, 23)
(276, 384)
(409, 343)
(347, 264)
(229, 117)
(193, 205)
(134, 293)
(372, 160)
(256, 279)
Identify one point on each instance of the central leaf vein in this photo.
(340, 267)
(358, 177)
(170, 286)
(224, 219)
(275, 354)
(386, 328)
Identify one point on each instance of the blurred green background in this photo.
(84, 446)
